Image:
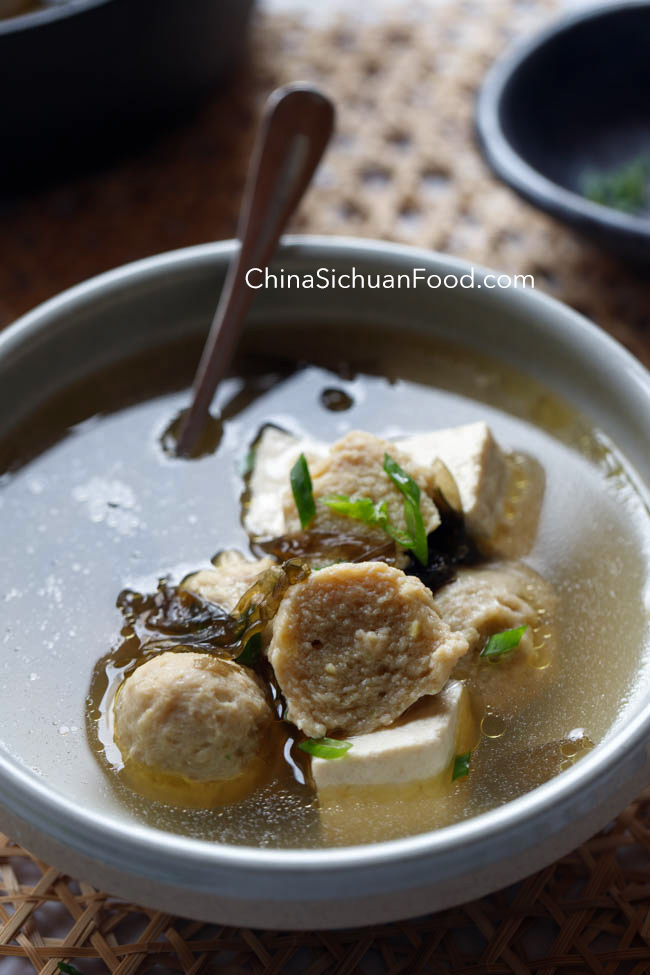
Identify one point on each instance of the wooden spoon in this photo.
(296, 126)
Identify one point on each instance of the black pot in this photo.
(82, 80)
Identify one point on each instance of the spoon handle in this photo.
(297, 124)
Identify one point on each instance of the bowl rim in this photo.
(191, 862)
(512, 167)
(47, 15)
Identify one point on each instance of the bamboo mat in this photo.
(405, 167)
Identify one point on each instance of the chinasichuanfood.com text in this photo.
(326, 277)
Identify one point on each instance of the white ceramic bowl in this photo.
(146, 303)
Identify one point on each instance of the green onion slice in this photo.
(412, 514)
(375, 513)
(624, 188)
(301, 488)
(500, 643)
(361, 509)
(461, 766)
(248, 462)
(325, 747)
(63, 966)
(369, 512)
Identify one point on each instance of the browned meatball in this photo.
(355, 645)
(354, 467)
(191, 715)
(490, 599)
(227, 582)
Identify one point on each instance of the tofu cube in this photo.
(276, 451)
(478, 465)
(418, 747)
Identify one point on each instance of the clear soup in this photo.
(113, 510)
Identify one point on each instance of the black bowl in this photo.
(82, 80)
(574, 99)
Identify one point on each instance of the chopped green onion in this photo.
(325, 747)
(624, 188)
(369, 512)
(249, 462)
(302, 491)
(63, 966)
(461, 766)
(412, 513)
(500, 643)
(251, 652)
(361, 509)
(401, 479)
(375, 513)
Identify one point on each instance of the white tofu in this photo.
(478, 465)
(418, 747)
(276, 451)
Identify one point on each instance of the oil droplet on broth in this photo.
(570, 748)
(539, 660)
(493, 726)
(576, 744)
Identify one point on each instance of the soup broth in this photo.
(112, 509)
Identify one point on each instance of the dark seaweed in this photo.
(319, 546)
(176, 615)
(172, 616)
(252, 652)
(448, 547)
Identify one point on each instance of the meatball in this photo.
(355, 645)
(191, 715)
(490, 599)
(354, 467)
(227, 582)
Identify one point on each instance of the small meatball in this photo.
(490, 599)
(354, 466)
(355, 645)
(191, 715)
(231, 577)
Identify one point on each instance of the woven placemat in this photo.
(404, 166)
